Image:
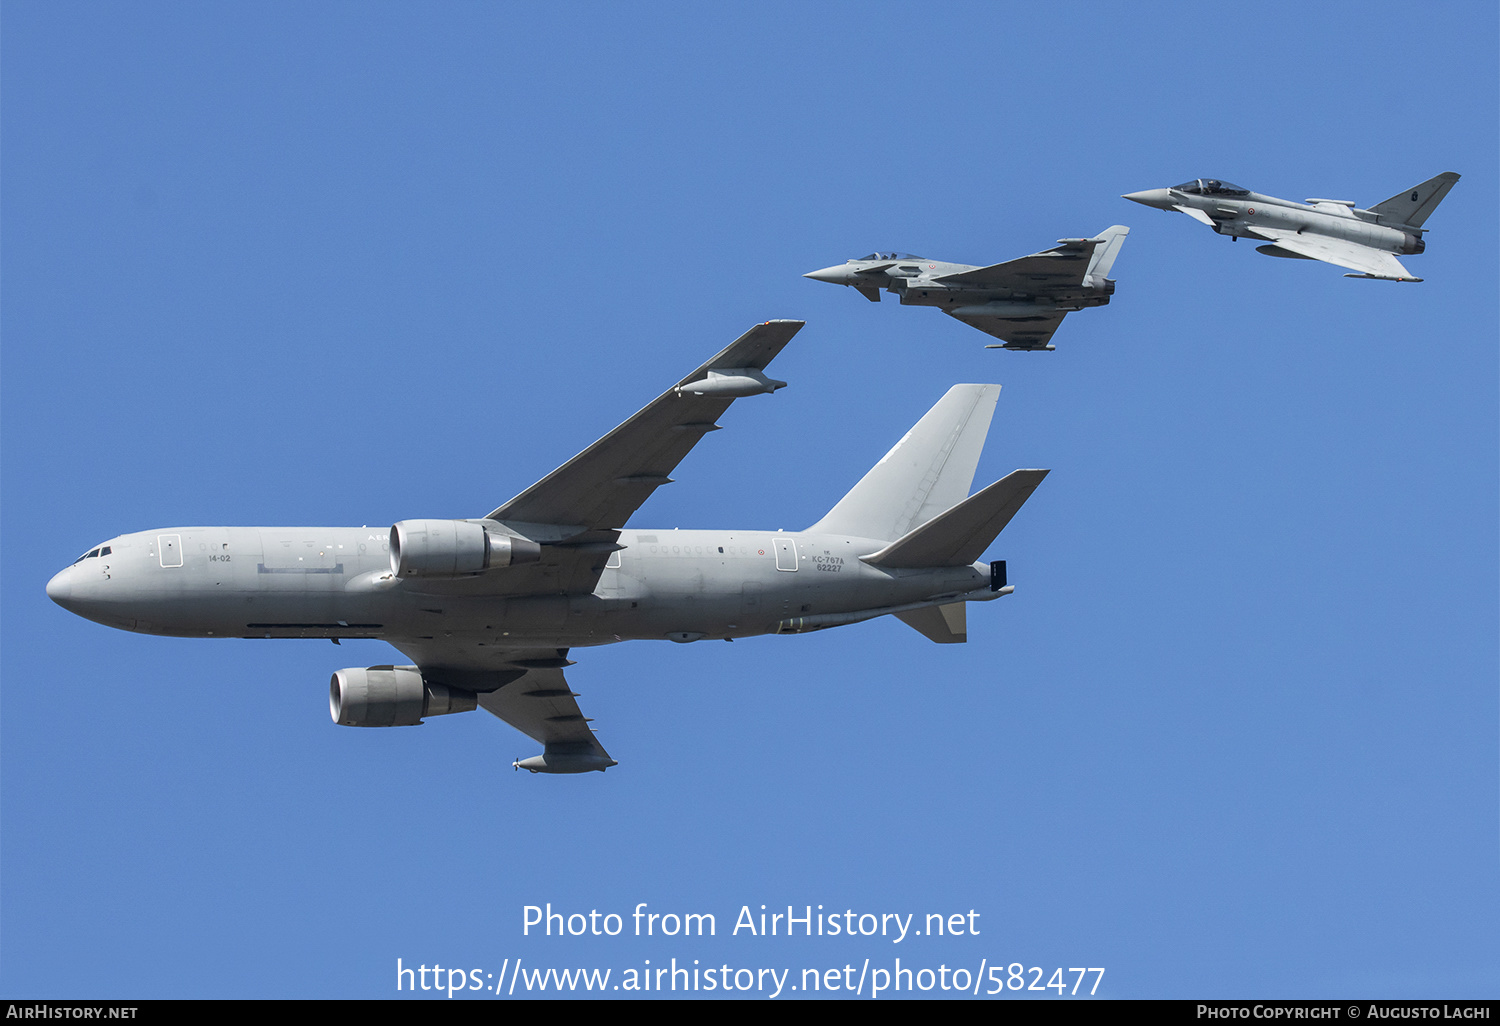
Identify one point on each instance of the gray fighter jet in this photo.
(487, 609)
(1020, 302)
(1334, 231)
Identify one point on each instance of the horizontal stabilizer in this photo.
(946, 625)
(959, 536)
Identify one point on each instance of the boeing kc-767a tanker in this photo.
(487, 609)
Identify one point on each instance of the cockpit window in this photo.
(88, 554)
(1211, 187)
(890, 256)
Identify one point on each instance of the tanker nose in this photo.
(60, 588)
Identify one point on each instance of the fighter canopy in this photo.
(1211, 187)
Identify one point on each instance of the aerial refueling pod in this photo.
(452, 548)
(732, 383)
(391, 696)
(566, 758)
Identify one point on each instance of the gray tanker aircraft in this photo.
(1334, 231)
(487, 609)
(1021, 302)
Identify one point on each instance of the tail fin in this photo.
(1104, 254)
(1416, 204)
(925, 473)
(959, 536)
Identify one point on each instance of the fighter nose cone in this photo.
(1150, 197)
(60, 588)
(837, 274)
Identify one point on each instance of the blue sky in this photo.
(1235, 733)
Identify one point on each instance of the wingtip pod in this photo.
(1381, 277)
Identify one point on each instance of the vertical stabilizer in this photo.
(1104, 254)
(924, 474)
(1416, 204)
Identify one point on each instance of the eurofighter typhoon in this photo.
(487, 609)
(1021, 301)
(1331, 230)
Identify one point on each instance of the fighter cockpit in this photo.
(890, 256)
(1211, 187)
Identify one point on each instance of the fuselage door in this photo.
(169, 546)
(786, 554)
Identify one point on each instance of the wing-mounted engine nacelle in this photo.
(454, 548)
(391, 696)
